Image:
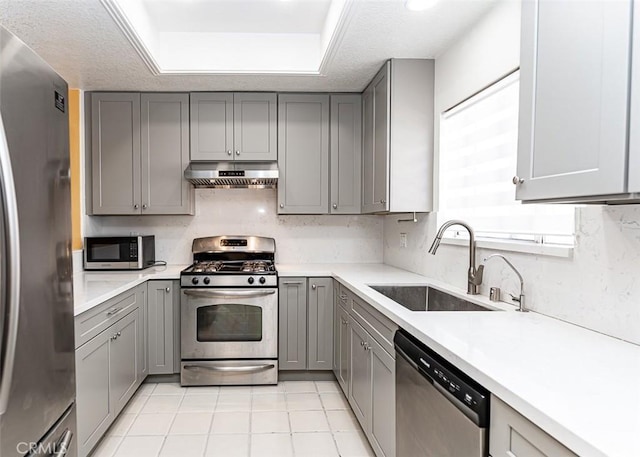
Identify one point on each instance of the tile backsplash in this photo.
(299, 239)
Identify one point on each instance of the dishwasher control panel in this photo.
(448, 379)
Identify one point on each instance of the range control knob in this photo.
(206, 280)
(250, 280)
(262, 280)
(195, 280)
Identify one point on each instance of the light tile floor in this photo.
(294, 418)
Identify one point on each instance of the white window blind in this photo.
(478, 147)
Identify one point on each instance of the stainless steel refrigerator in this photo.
(37, 378)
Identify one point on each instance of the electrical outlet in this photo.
(403, 240)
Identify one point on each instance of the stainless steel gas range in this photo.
(229, 312)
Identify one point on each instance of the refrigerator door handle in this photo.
(11, 249)
(63, 445)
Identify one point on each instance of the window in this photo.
(478, 147)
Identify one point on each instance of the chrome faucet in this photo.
(520, 298)
(474, 276)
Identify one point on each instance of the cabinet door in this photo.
(303, 154)
(123, 360)
(320, 319)
(383, 405)
(360, 395)
(143, 332)
(344, 365)
(381, 116)
(254, 126)
(292, 328)
(115, 153)
(165, 154)
(574, 79)
(512, 435)
(211, 126)
(634, 109)
(161, 327)
(346, 154)
(94, 408)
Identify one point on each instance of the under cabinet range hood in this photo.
(231, 175)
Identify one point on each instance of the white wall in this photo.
(299, 239)
(599, 286)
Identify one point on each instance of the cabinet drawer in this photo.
(94, 321)
(343, 296)
(512, 435)
(374, 322)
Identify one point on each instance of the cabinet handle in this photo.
(229, 152)
(237, 153)
(281, 205)
(114, 337)
(383, 201)
(335, 206)
(136, 206)
(119, 334)
(168, 289)
(313, 286)
(517, 180)
(113, 311)
(144, 206)
(361, 343)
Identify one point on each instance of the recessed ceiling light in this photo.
(419, 5)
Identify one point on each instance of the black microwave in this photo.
(119, 252)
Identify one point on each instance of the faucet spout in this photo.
(474, 276)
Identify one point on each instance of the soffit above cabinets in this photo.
(85, 45)
(176, 37)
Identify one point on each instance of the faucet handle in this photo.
(477, 277)
(514, 298)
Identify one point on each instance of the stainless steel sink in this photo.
(424, 298)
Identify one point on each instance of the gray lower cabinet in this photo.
(111, 362)
(106, 378)
(346, 154)
(233, 126)
(139, 147)
(320, 324)
(161, 326)
(512, 435)
(367, 374)
(292, 323)
(305, 331)
(398, 136)
(303, 153)
(143, 331)
(360, 395)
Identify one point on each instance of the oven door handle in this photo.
(227, 293)
(246, 369)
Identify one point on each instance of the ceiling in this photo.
(83, 43)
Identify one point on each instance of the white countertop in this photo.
(90, 288)
(579, 386)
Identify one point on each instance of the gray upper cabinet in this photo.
(303, 154)
(346, 154)
(161, 326)
(574, 95)
(320, 327)
(292, 325)
(139, 150)
(115, 153)
(165, 154)
(254, 126)
(233, 126)
(397, 161)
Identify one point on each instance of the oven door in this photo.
(229, 323)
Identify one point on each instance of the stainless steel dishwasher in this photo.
(440, 411)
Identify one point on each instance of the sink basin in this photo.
(424, 298)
